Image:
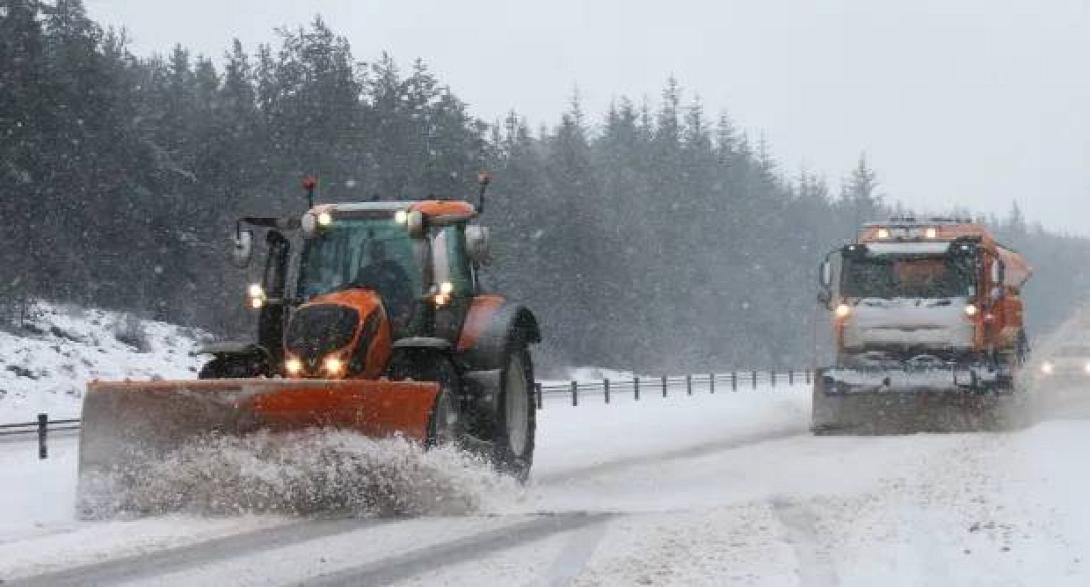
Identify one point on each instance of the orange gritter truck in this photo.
(927, 317)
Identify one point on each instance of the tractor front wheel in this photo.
(445, 424)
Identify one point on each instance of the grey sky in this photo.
(971, 102)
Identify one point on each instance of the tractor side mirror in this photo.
(478, 245)
(999, 272)
(414, 223)
(243, 251)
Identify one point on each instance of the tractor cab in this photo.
(421, 258)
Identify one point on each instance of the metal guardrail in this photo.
(634, 387)
(665, 385)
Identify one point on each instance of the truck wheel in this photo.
(445, 419)
(516, 415)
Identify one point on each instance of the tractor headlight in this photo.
(930, 232)
(441, 299)
(842, 310)
(325, 219)
(1047, 368)
(293, 366)
(446, 288)
(883, 233)
(401, 217)
(333, 366)
(256, 293)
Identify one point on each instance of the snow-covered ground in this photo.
(45, 364)
(724, 489)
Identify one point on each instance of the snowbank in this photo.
(45, 364)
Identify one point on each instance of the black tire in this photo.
(516, 415)
(445, 421)
(231, 367)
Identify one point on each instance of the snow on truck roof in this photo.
(909, 248)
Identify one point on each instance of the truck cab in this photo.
(934, 293)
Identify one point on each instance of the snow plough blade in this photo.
(123, 420)
(902, 402)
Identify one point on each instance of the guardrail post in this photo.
(790, 376)
(772, 377)
(734, 381)
(43, 427)
(689, 384)
(574, 393)
(605, 387)
(663, 386)
(711, 382)
(807, 373)
(754, 380)
(636, 387)
(537, 394)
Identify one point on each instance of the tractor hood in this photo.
(926, 323)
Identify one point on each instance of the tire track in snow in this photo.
(575, 555)
(161, 562)
(815, 565)
(698, 450)
(410, 564)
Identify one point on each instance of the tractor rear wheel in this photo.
(516, 415)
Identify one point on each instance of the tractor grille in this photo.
(315, 331)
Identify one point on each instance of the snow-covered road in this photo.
(724, 489)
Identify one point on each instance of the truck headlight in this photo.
(842, 310)
(1047, 368)
(1086, 368)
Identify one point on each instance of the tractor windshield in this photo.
(905, 276)
(365, 252)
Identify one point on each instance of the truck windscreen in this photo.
(903, 276)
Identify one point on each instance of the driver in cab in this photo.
(386, 277)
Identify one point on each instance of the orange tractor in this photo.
(927, 318)
(371, 318)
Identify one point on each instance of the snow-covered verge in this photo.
(45, 363)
